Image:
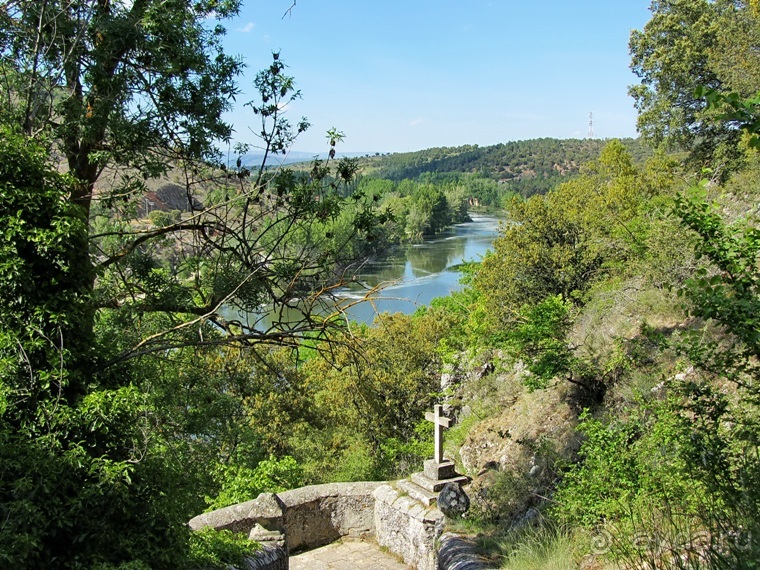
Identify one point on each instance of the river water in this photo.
(414, 275)
(410, 277)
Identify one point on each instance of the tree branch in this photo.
(148, 236)
(289, 11)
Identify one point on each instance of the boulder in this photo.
(453, 501)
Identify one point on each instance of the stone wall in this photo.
(302, 518)
(309, 517)
(407, 528)
(458, 553)
(266, 510)
(321, 514)
(270, 557)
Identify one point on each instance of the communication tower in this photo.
(591, 125)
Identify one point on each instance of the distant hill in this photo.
(527, 167)
(255, 159)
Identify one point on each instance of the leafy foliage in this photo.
(731, 295)
(241, 484)
(126, 83)
(672, 481)
(689, 44)
(72, 442)
(219, 549)
(736, 110)
(540, 338)
(560, 243)
(113, 382)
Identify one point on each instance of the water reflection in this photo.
(414, 275)
(410, 277)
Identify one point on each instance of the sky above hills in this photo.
(398, 76)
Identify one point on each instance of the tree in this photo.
(560, 243)
(138, 89)
(75, 486)
(102, 304)
(687, 44)
(735, 56)
(371, 397)
(119, 82)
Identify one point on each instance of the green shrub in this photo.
(240, 483)
(212, 549)
(539, 338)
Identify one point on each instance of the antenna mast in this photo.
(591, 125)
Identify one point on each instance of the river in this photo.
(410, 277)
(414, 275)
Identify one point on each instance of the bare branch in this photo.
(148, 235)
(289, 11)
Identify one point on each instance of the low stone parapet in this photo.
(321, 514)
(265, 510)
(302, 518)
(309, 517)
(407, 528)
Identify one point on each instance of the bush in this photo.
(219, 549)
(240, 483)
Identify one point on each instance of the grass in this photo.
(541, 548)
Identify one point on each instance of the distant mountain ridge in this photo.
(293, 157)
(527, 167)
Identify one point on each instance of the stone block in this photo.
(266, 510)
(267, 506)
(417, 493)
(453, 501)
(443, 470)
(260, 534)
(236, 518)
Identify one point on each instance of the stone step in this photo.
(417, 493)
(434, 485)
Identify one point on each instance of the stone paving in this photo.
(347, 555)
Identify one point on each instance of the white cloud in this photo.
(415, 122)
(247, 28)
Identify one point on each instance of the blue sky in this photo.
(397, 76)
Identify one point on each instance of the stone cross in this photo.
(439, 422)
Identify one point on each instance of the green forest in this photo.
(609, 342)
(520, 167)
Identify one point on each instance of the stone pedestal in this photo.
(424, 487)
(438, 471)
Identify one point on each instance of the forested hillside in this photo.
(523, 167)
